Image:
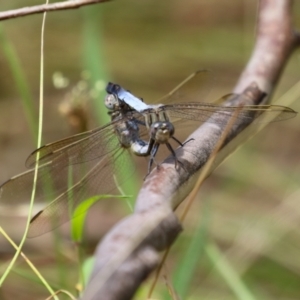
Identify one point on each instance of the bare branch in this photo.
(274, 43)
(128, 253)
(21, 12)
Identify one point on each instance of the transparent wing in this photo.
(188, 116)
(70, 171)
(204, 112)
(100, 180)
(77, 148)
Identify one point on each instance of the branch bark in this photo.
(37, 9)
(129, 252)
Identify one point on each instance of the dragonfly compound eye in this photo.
(111, 102)
(161, 132)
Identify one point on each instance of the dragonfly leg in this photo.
(182, 144)
(153, 151)
(189, 140)
(177, 161)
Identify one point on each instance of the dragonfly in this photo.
(79, 167)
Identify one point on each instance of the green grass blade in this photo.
(228, 273)
(188, 265)
(94, 61)
(20, 82)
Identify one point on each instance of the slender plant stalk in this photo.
(41, 108)
(61, 292)
(31, 265)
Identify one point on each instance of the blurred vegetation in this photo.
(241, 239)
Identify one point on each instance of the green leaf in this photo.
(87, 269)
(79, 214)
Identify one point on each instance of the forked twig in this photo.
(129, 252)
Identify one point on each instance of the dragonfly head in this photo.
(161, 132)
(111, 102)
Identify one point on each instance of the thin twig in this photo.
(37, 9)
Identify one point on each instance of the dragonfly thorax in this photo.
(155, 114)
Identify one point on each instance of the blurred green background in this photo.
(241, 239)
